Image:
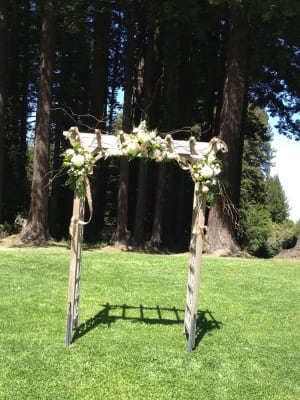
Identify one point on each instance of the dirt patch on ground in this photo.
(291, 254)
(14, 241)
(11, 241)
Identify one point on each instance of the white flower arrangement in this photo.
(79, 163)
(205, 171)
(145, 144)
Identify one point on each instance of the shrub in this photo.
(257, 227)
(284, 234)
(5, 229)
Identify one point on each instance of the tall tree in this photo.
(99, 95)
(255, 221)
(143, 97)
(37, 229)
(257, 158)
(221, 223)
(276, 201)
(70, 99)
(122, 235)
(20, 60)
(275, 63)
(3, 38)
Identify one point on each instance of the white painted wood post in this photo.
(76, 232)
(194, 270)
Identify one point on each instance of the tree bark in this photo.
(36, 229)
(157, 225)
(222, 221)
(163, 219)
(139, 115)
(121, 236)
(140, 214)
(24, 185)
(98, 109)
(3, 16)
(99, 81)
(147, 87)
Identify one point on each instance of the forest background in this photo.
(200, 67)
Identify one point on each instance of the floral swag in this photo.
(204, 167)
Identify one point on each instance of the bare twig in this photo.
(230, 209)
(76, 118)
(185, 129)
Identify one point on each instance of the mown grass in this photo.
(130, 344)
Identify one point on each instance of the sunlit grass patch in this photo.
(130, 345)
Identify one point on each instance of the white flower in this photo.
(69, 152)
(133, 148)
(143, 137)
(205, 189)
(77, 160)
(207, 171)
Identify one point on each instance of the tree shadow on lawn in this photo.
(109, 314)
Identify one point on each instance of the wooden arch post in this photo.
(194, 268)
(76, 233)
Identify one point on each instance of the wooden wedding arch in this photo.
(199, 158)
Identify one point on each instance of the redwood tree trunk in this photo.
(37, 229)
(98, 109)
(148, 84)
(222, 221)
(139, 221)
(3, 8)
(156, 236)
(99, 81)
(121, 235)
(142, 88)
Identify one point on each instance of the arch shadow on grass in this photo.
(109, 314)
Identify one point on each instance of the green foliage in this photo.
(6, 229)
(276, 201)
(262, 237)
(257, 225)
(264, 206)
(284, 234)
(117, 124)
(257, 156)
(130, 343)
(297, 227)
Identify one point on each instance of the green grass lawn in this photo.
(130, 344)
